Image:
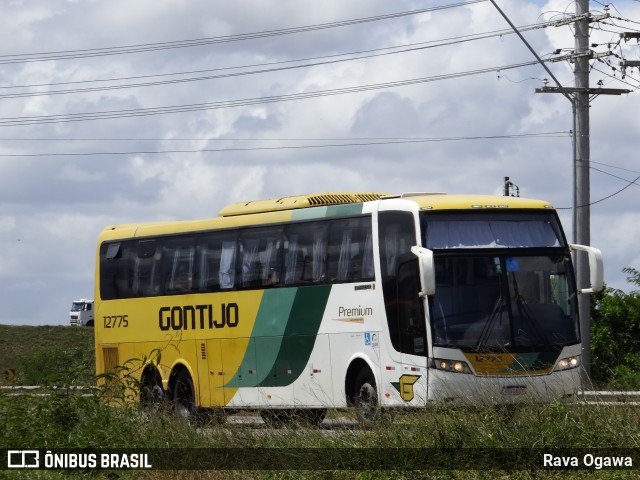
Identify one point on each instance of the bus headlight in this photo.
(455, 366)
(568, 363)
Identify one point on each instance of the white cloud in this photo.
(53, 208)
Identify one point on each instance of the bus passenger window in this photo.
(227, 270)
(260, 257)
(146, 269)
(114, 270)
(178, 263)
(305, 253)
(351, 250)
(182, 280)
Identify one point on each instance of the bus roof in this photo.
(279, 210)
(427, 201)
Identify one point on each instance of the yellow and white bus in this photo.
(304, 303)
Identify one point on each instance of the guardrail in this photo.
(40, 387)
(38, 390)
(600, 397)
(610, 397)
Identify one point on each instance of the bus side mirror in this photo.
(596, 270)
(427, 270)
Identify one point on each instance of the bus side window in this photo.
(215, 265)
(351, 250)
(114, 271)
(411, 324)
(396, 236)
(178, 265)
(260, 250)
(146, 269)
(305, 253)
(227, 266)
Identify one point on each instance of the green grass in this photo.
(47, 355)
(70, 420)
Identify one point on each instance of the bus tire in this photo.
(366, 398)
(152, 396)
(183, 396)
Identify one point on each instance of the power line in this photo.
(629, 183)
(615, 78)
(247, 139)
(359, 56)
(146, 47)
(614, 166)
(351, 143)
(633, 182)
(116, 114)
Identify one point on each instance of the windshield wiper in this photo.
(525, 313)
(496, 314)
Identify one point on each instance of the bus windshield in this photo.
(503, 303)
(503, 281)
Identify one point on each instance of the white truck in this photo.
(81, 313)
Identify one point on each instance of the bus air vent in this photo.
(342, 198)
(300, 201)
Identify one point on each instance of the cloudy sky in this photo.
(123, 111)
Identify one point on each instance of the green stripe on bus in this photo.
(344, 210)
(266, 337)
(299, 336)
(330, 211)
(280, 348)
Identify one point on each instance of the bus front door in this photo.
(412, 383)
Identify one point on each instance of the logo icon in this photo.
(23, 459)
(405, 386)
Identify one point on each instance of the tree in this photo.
(615, 336)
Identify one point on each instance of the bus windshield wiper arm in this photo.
(525, 312)
(488, 326)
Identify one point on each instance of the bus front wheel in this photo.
(366, 398)
(152, 395)
(183, 395)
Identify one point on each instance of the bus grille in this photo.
(110, 359)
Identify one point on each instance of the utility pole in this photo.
(579, 98)
(580, 94)
(582, 200)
